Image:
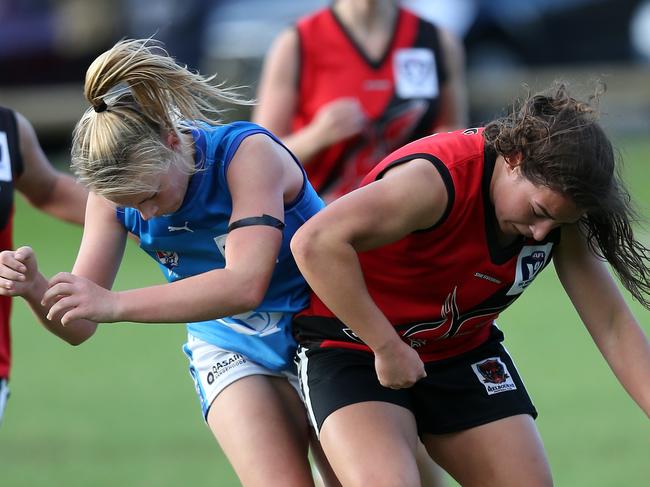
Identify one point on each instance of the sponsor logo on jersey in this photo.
(167, 258)
(377, 85)
(494, 376)
(222, 366)
(185, 227)
(480, 275)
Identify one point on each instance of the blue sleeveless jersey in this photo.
(192, 241)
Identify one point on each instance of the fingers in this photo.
(63, 310)
(401, 374)
(11, 267)
(56, 291)
(25, 253)
(62, 277)
(12, 273)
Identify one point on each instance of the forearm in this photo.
(334, 273)
(74, 333)
(305, 143)
(66, 201)
(189, 300)
(627, 351)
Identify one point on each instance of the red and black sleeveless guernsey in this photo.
(441, 288)
(399, 92)
(11, 166)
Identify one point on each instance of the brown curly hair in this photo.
(563, 147)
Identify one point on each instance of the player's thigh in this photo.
(479, 387)
(358, 419)
(506, 452)
(255, 414)
(261, 425)
(355, 436)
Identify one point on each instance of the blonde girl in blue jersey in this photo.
(215, 205)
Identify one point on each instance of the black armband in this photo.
(267, 220)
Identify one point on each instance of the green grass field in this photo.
(121, 410)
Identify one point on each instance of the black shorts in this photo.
(477, 387)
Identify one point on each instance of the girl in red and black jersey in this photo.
(410, 271)
(355, 81)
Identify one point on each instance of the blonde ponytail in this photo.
(137, 92)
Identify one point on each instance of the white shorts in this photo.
(4, 395)
(214, 368)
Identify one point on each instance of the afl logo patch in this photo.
(530, 261)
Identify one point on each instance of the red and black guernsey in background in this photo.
(399, 92)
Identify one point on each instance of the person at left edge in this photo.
(24, 167)
(215, 206)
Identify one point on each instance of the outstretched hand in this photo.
(399, 367)
(18, 271)
(71, 298)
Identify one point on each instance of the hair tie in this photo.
(101, 106)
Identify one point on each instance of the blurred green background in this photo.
(121, 410)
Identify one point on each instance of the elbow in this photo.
(79, 336)
(249, 297)
(303, 245)
(253, 299)
(75, 341)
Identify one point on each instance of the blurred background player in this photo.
(24, 167)
(354, 81)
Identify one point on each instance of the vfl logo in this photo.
(531, 264)
(494, 376)
(415, 73)
(167, 258)
(530, 261)
(185, 227)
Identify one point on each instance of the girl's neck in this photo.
(370, 22)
